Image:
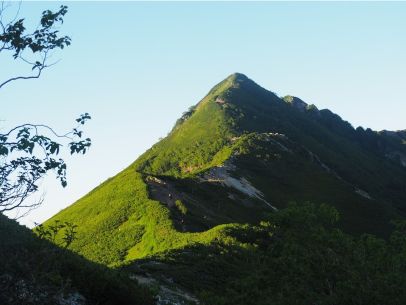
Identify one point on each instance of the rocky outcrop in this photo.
(296, 102)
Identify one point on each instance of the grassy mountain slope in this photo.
(235, 157)
(118, 222)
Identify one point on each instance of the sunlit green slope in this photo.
(118, 222)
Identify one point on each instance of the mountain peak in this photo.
(237, 77)
(231, 158)
(241, 81)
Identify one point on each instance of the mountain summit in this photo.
(239, 154)
(200, 199)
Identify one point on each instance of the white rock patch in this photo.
(221, 174)
(363, 194)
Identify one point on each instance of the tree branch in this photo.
(40, 67)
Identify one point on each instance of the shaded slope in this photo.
(34, 271)
(298, 257)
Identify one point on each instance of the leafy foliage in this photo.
(40, 42)
(27, 154)
(29, 151)
(50, 232)
(181, 207)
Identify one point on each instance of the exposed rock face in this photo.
(395, 145)
(223, 175)
(167, 293)
(363, 194)
(397, 156)
(28, 291)
(71, 299)
(296, 102)
(389, 133)
(220, 101)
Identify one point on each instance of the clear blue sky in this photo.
(137, 66)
